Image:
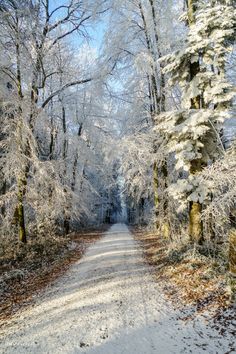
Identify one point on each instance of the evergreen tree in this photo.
(194, 130)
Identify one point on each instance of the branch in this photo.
(76, 27)
(71, 31)
(45, 77)
(56, 93)
(70, 12)
(9, 73)
(57, 9)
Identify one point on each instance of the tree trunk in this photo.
(22, 181)
(153, 76)
(2, 192)
(22, 185)
(195, 224)
(156, 193)
(20, 210)
(165, 223)
(232, 264)
(66, 222)
(161, 98)
(195, 208)
(157, 105)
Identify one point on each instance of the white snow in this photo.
(108, 303)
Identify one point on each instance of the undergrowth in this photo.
(190, 275)
(26, 269)
(37, 252)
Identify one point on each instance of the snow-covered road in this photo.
(107, 303)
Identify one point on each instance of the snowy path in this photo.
(107, 303)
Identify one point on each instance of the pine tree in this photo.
(193, 131)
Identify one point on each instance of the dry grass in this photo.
(188, 278)
(27, 270)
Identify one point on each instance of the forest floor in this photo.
(109, 302)
(191, 279)
(27, 270)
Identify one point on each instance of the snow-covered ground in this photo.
(108, 303)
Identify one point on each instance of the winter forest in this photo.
(118, 112)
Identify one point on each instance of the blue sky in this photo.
(95, 31)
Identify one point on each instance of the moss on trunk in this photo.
(165, 230)
(195, 223)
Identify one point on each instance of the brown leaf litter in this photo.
(20, 290)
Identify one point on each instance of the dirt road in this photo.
(108, 303)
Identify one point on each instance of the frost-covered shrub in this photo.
(220, 210)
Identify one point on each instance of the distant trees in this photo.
(144, 96)
(176, 98)
(193, 78)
